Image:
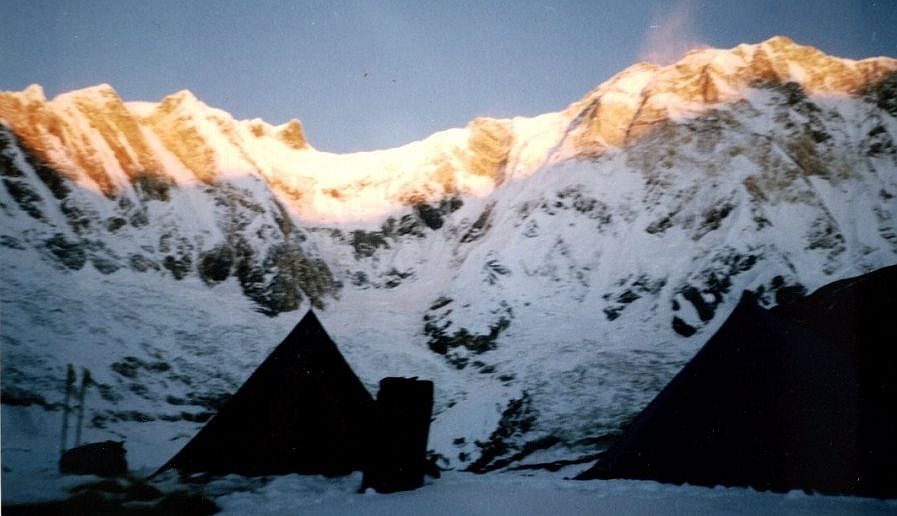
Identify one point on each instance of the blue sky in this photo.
(362, 75)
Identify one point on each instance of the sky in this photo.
(364, 75)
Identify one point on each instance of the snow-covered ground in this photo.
(497, 494)
(515, 495)
(30, 475)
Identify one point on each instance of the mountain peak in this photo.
(183, 95)
(293, 135)
(780, 40)
(640, 98)
(34, 92)
(99, 93)
(180, 100)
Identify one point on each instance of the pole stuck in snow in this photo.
(85, 380)
(69, 385)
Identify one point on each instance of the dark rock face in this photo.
(886, 95)
(803, 396)
(708, 286)
(459, 346)
(69, 253)
(215, 264)
(104, 459)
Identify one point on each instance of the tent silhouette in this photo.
(302, 411)
(803, 396)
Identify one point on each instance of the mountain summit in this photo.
(550, 274)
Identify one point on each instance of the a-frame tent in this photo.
(803, 396)
(302, 411)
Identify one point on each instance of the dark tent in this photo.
(802, 396)
(302, 411)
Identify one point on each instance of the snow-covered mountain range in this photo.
(550, 274)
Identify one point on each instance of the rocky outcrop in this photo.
(490, 142)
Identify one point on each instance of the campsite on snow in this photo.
(674, 295)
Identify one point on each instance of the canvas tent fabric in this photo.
(302, 411)
(803, 396)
